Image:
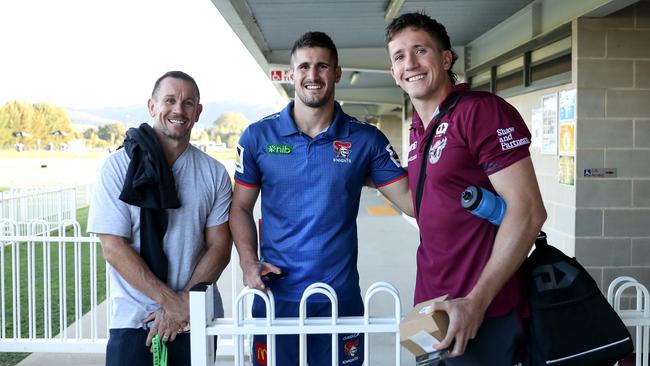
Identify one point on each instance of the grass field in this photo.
(45, 168)
(82, 216)
(38, 154)
(229, 154)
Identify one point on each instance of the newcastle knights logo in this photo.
(351, 348)
(343, 150)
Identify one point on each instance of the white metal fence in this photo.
(52, 205)
(46, 284)
(637, 316)
(205, 327)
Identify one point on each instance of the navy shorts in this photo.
(319, 346)
(500, 341)
(126, 347)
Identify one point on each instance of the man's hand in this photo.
(465, 318)
(170, 319)
(253, 272)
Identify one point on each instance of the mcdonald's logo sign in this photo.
(260, 353)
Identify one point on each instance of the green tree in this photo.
(5, 130)
(203, 136)
(112, 133)
(19, 116)
(56, 123)
(37, 120)
(229, 127)
(231, 123)
(89, 133)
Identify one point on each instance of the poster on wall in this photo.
(567, 139)
(549, 124)
(567, 106)
(566, 170)
(536, 127)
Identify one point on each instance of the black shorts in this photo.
(500, 341)
(126, 347)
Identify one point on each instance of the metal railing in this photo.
(205, 327)
(638, 316)
(51, 205)
(46, 284)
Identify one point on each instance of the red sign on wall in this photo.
(279, 76)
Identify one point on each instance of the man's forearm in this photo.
(513, 242)
(133, 269)
(242, 226)
(399, 193)
(215, 259)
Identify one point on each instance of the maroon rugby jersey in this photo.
(480, 136)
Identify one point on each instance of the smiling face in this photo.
(314, 73)
(418, 64)
(175, 108)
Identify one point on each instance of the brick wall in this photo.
(612, 75)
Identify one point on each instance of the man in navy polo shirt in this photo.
(310, 161)
(482, 141)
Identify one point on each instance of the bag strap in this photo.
(445, 107)
(541, 240)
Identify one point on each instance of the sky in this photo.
(92, 53)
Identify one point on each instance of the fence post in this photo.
(327, 290)
(201, 310)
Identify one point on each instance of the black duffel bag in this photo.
(571, 321)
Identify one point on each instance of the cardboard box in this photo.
(419, 331)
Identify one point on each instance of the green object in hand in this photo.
(159, 350)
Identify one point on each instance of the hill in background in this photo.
(137, 114)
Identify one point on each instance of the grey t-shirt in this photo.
(205, 193)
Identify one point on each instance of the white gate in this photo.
(637, 317)
(205, 327)
(43, 278)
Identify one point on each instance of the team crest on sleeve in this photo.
(343, 149)
(393, 155)
(239, 162)
(435, 152)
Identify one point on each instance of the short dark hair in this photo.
(316, 39)
(175, 75)
(437, 31)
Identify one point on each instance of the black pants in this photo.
(499, 342)
(126, 347)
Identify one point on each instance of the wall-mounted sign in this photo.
(567, 140)
(599, 172)
(279, 76)
(536, 127)
(567, 106)
(566, 170)
(549, 124)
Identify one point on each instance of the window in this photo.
(541, 63)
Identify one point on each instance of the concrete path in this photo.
(387, 245)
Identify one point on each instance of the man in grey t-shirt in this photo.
(160, 209)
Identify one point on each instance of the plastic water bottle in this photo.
(484, 204)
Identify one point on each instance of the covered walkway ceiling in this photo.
(480, 30)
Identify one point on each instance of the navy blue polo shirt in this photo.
(310, 195)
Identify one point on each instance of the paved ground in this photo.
(386, 253)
